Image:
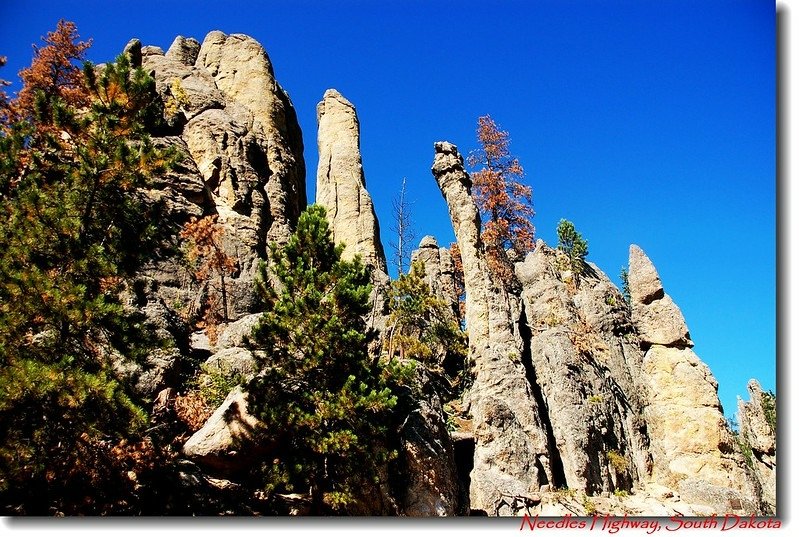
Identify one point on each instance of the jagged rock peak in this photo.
(585, 361)
(134, 51)
(753, 419)
(340, 181)
(657, 317)
(757, 430)
(184, 50)
(645, 284)
(439, 272)
(692, 447)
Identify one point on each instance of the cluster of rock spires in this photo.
(573, 389)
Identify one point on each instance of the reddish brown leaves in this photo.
(54, 71)
(205, 237)
(505, 203)
(206, 251)
(193, 410)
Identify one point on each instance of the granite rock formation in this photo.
(439, 272)
(582, 356)
(575, 394)
(242, 150)
(340, 182)
(585, 391)
(511, 453)
(757, 421)
(693, 449)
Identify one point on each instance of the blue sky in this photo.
(650, 123)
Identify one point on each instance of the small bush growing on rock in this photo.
(617, 460)
(205, 251)
(176, 100)
(769, 404)
(589, 505)
(573, 244)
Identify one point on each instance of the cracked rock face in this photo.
(242, 160)
(511, 453)
(583, 355)
(427, 454)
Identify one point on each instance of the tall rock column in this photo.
(511, 455)
(340, 182)
(692, 447)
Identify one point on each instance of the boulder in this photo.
(226, 443)
(643, 278)
(235, 334)
(657, 317)
(233, 361)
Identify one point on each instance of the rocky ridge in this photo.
(578, 399)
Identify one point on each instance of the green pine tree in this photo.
(573, 244)
(421, 325)
(326, 405)
(75, 228)
(624, 276)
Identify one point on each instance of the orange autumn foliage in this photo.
(505, 203)
(205, 249)
(54, 71)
